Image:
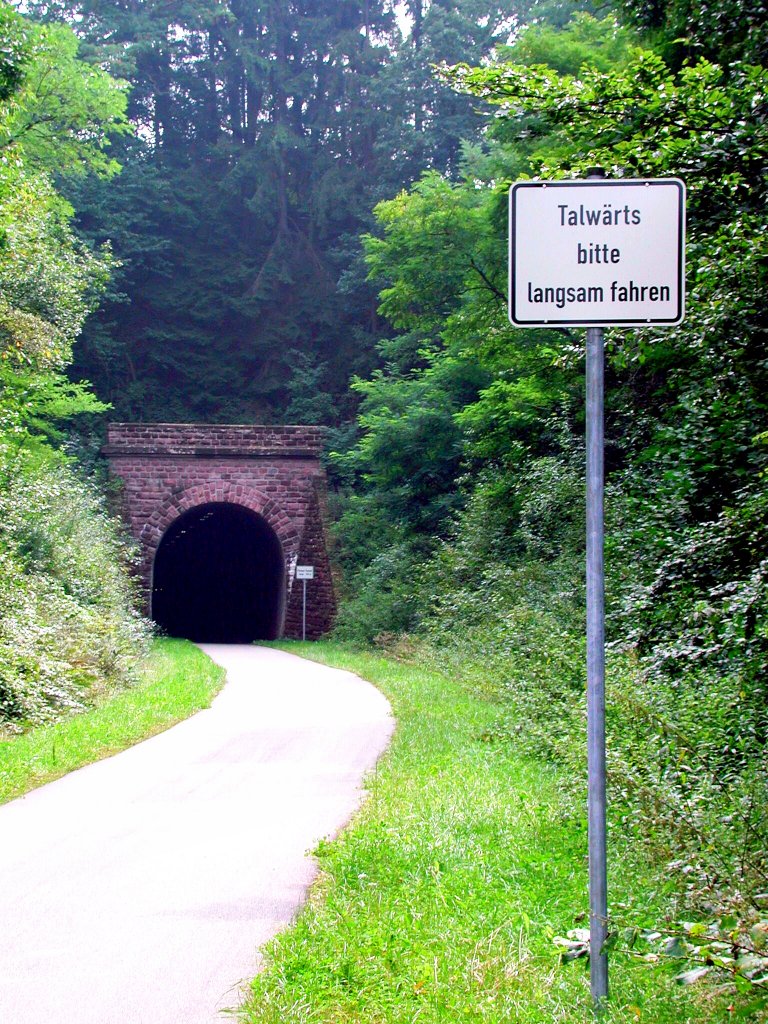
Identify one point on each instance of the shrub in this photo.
(386, 599)
(68, 626)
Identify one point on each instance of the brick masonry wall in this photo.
(214, 439)
(167, 469)
(321, 604)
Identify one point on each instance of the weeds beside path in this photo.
(176, 681)
(440, 902)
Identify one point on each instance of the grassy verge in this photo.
(177, 680)
(440, 902)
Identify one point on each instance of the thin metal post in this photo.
(598, 875)
(304, 612)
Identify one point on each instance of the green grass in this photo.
(176, 681)
(440, 901)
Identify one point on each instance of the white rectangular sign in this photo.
(305, 572)
(597, 253)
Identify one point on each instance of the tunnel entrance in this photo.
(219, 576)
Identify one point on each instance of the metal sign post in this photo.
(597, 833)
(596, 254)
(304, 573)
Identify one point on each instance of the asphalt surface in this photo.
(138, 890)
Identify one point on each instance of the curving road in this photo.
(137, 890)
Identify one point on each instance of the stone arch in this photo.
(184, 498)
(219, 576)
(274, 472)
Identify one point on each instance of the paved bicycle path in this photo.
(137, 890)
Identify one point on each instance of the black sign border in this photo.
(601, 183)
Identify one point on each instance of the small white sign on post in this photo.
(304, 573)
(597, 253)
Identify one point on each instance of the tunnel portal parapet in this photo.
(167, 469)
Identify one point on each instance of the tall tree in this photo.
(239, 203)
(67, 628)
(57, 118)
(429, 121)
(266, 133)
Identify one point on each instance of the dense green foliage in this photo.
(265, 134)
(68, 630)
(470, 463)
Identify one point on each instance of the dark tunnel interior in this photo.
(218, 576)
